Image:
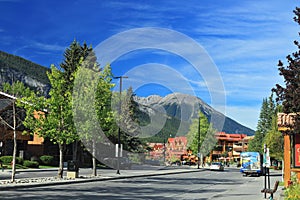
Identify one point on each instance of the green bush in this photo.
(47, 160)
(293, 191)
(19, 160)
(31, 164)
(8, 160)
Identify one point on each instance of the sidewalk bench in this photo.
(271, 191)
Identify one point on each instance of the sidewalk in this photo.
(103, 175)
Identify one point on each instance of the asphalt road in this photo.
(37, 173)
(227, 185)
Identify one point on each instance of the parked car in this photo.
(217, 166)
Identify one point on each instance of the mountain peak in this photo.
(185, 107)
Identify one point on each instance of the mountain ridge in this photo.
(15, 68)
(176, 109)
(185, 108)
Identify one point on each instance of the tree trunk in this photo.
(94, 159)
(61, 164)
(75, 150)
(13, 171)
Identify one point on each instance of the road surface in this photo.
(205, 184)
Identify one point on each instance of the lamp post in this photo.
(119, 129)
(199, 143)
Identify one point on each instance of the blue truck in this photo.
(251, 163)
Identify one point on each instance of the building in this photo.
(156, 151)
(229, 147)
(175, 148)
(27, 145)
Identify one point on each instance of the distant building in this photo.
(156, 151)
(229, 146)
(175, 148)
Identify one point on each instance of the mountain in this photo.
(177, 111)
(160, 116)
(14, 68)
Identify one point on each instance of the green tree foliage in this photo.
(13, 118)
(207, 135)
(264, 124)
(289, 95)
(73, 57)
(54, 119)
(58, 124)
(91, 103)
(274, 140)
(103, 101)
(16, 89)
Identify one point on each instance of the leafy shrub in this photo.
(293, 191)
(47, 160)
(19, 160)
(8, 160)
(31, 164)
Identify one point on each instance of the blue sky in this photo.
(244, 39)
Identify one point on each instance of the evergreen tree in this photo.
(72, 57)
(127, 119)
(264, 124)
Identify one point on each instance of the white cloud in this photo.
(47, 47)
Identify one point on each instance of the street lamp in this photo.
(119, 130)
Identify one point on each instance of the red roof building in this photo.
(176, 147)
(229, 146)
(156, 152)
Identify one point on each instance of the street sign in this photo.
(121, 150)
(267, 160)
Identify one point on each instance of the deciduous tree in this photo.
(207, 135)
(52, 117)
(13, 118)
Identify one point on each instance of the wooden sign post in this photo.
(285, 122)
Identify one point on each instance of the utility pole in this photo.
(119, 130)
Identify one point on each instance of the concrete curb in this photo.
(94, 179)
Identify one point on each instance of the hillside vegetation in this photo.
(26, 67)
